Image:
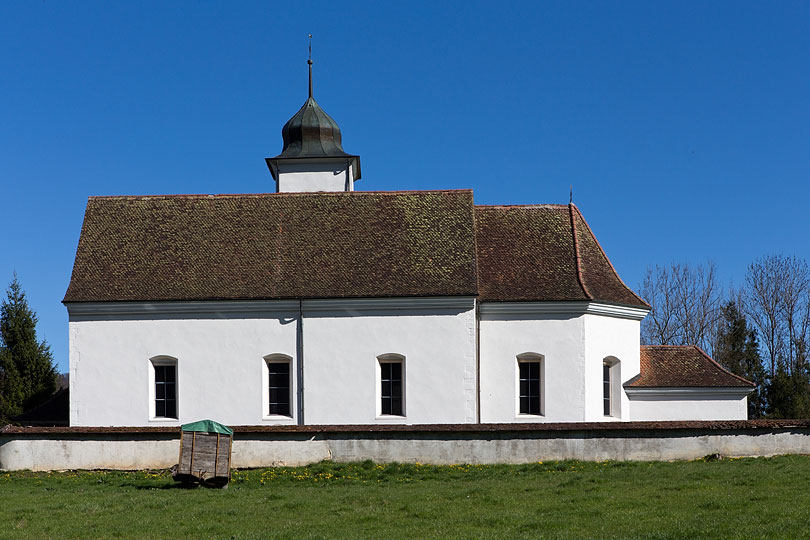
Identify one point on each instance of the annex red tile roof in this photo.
(337, 245)
(288, 245)
(544, 252)
(670, 366)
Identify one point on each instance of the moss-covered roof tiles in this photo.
(302, 245)
(337, 245)
(543, 253)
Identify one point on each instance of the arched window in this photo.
(391, 385)
(530, 384)
(277, 388)
(163, 386)
(611, 378)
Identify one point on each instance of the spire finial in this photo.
(309, 61)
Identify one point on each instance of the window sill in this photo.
(162, 419)
(391, 417)
(277, 418)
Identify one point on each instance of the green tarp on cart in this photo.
(207, 426)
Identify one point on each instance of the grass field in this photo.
(740, 498)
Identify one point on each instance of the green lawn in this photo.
(740, 498)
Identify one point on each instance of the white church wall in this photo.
(344, 339)
(219, 356)
(221, 349)
(689, 404)
(615, 340)
(309, 177)
(558, 338)
(573, 339)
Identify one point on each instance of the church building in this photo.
(320, 304)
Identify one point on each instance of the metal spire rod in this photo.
(309, 61)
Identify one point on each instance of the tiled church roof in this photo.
(337, 245)
(670, 366)
(543, 252)
(289, 245)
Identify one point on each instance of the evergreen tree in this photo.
(737, 349)
(27, 374)
(789, 394)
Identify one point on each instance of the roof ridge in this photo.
(610, 264)
(285, 194)
(577, 257)
(506, 206)
(721, 368)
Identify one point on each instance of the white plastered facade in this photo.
(221, 351)
(456, 369)
(573, 341)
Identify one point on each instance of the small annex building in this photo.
(319, 304)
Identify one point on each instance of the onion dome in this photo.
(312, 141)
(311, 133)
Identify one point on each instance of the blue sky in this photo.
(684, 127)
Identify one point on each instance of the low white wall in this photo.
(29, 449)
(709, 407)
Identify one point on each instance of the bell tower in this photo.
(312, 158)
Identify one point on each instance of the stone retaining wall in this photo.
(260, 446)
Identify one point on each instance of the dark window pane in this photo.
(280, 409)
(524, 405)
(165, 391)
(171, 409)
(525, 370)
(279, 388)
(391, 388)
(534, 405)
(529, 387)
(281, 368)
(524, 387)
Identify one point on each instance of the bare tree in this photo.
(776, 298)
(685, 303)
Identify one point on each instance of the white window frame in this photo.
(615, 374)
(524, 358)
(163, 360)
(278, 358)
(390, 358)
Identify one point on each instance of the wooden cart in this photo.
(205, 454)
